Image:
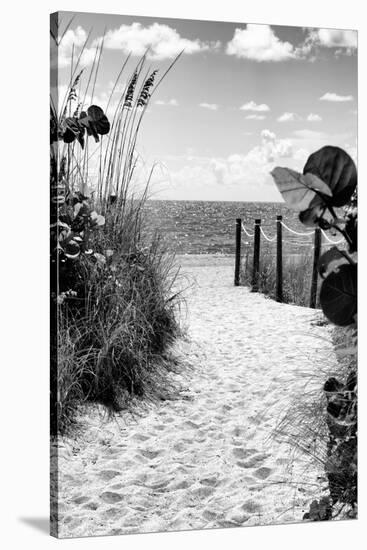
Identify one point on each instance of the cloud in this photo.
(163, 41)
(334, 38)
(293, 117)
(255, 117)
(71, 47)
(341, 41)
(288, 117)
(259, 43)
(171, 102)
(312, 117)
(331, 96)
(243, 175)
(210, 106)
(252, 106)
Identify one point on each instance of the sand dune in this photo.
(206, 458)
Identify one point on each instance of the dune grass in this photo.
(310, 426)
(116, 308)
(297, 271)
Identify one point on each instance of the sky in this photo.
(241, 99)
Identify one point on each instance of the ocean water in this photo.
(208, 227)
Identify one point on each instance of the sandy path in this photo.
(207, 458)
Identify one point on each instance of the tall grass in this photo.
(115, 329)
(297, 272)
(311, 427)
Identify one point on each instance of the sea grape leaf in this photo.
(71, 249)
(330, 260)
(313, 214)
(337, 169)
(299, 190)
(351, 228)
(338, 295)
(95, 121)
(96, 219)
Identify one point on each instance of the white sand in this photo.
(206, 459)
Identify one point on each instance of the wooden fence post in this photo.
(279, 275)
(316, 256)
(238, 252)
(256, 263)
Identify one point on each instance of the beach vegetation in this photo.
(113, 299)
(323, 423)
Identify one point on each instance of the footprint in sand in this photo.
(203, 492)
(111, 497)
(140, 437)
(160, 427)
(238, 431)
(151, 455)
(190, 424)
(159, 485)
(240, 452)
(263, 473)
(107, 475)
(112, 513)
(209, 481)
(209, 515)
(178, 485)
(80, 499)
(253, 461)
(91, 506)
(251, 507)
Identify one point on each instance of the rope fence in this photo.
(293, 232)
(269, 239)
(318, 235)
(246, 232)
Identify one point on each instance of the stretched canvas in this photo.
(203, 199)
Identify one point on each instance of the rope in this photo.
(330, 240)
(299, 234)
(270, 240)
(296, 232)
(247, 233)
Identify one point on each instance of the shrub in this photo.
(328, 181)
(113, 303)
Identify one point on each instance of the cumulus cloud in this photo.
(313, 117)
(288, 117)
(209, 106)
(71, 46)
(259, 43)
(255, 117)
(252, 106)
(331, 96)
(334, 38)
(245, 174)
(161, 41)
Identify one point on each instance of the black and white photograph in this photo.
(203, 274)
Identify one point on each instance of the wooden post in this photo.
(256, 263)
(279, 276)
(238, 252)
(316, 256)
